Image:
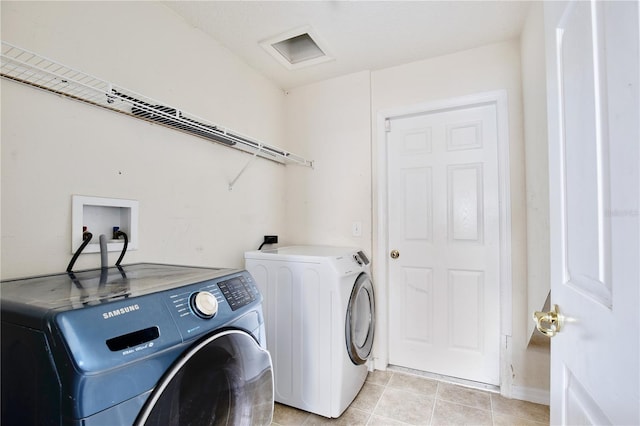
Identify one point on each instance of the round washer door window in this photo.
(226, 379)
(360, 321)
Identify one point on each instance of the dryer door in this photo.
(360, 320)
(226, 379)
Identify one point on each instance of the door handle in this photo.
(394, 254)
(548, 323)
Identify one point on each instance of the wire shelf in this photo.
(35, 70)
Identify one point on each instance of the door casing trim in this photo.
(380, 221)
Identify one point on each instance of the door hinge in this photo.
(387, 125)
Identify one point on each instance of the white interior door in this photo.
(443, 220)
(592, 60)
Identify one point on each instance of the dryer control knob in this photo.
(204, 304)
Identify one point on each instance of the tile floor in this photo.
(396, 398)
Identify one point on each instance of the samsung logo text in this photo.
(121, 311)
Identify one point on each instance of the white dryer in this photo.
(319, 315)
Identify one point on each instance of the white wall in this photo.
(331, 122)
(53, 147)
(532, 45)
(534, 91)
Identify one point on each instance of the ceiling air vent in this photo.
(297, 48)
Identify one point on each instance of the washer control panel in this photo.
(196, 300)
(239, 291)
(211, 304)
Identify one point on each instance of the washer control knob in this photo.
(204, 304)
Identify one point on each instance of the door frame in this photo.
(380, 220)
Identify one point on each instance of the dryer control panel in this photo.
(361, 258)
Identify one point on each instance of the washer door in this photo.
(226, 379)
(360, 320)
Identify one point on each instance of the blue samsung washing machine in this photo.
(143, 344)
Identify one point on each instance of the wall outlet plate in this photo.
(270, 239)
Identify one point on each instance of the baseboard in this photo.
(539, 396)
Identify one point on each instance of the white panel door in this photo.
(444, 289)
(592, 61)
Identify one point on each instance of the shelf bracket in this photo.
(233, 182)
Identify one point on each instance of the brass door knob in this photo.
(548, 323)
(394, 254)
